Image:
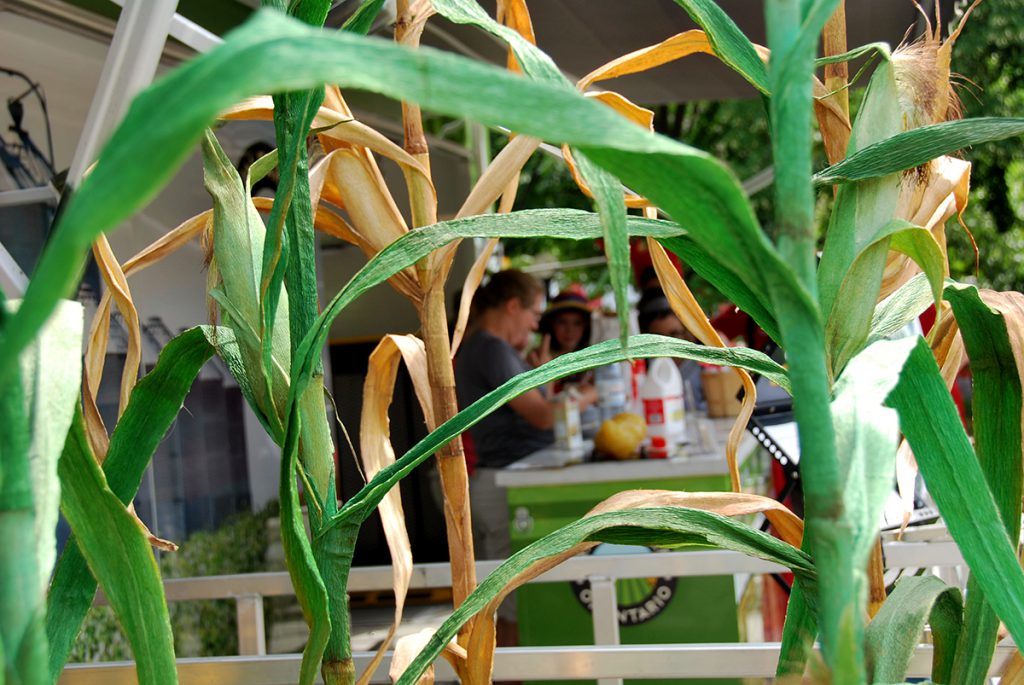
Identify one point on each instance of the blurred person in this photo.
(506, 312)
(565, 327)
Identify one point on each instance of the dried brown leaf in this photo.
(117, 285)
(377, 453)
(690, 314)
(929, 195)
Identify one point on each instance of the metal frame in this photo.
(13, 280)
(131, 62)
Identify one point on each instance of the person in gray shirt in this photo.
(505, 313)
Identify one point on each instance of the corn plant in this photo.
(854, 391)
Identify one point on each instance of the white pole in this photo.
(130, 66)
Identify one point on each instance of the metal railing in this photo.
(607, 661)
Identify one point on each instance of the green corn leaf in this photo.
(363, 503)
(21, 607)
(611, 206)
(728, 42)
(119, 555)
(851, 310)
(915, 147)
(867, 435)
(293, 115)
(362, 19)
(153, 407)
(607, 191)
(731, 285)
(302, 567)
(906, 304)
(894, 633)
(657, 526)
(35, 414)
(50, 370)
(259, 169)
(798, 633)
(534, 62)
(882, 49)
(997, 441)
(931, 424)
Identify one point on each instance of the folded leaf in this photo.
(931, 424)
(120, 556)
(894, 633)
(850, 308)
(991, 326)
(153, 407)
(899, 309)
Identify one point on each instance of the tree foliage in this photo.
(990, 60)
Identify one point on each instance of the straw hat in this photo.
(572, 299)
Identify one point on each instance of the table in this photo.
(652, 610)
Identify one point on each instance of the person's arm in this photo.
(539, 411)
(532, 405)
(535, 408)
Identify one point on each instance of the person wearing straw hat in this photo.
(565, 327)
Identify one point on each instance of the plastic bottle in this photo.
(568, 434)
(638, 374)
(611, 390)
(662, 396)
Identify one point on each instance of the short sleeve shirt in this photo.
(485, 362)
